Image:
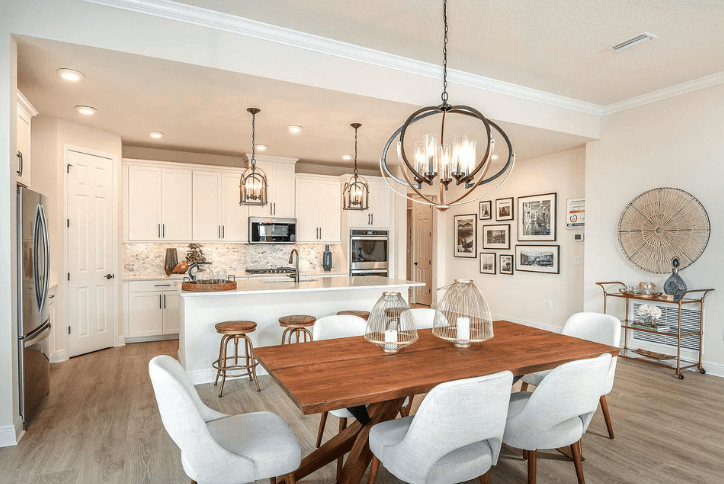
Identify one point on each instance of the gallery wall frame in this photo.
(507, 261)
(465, 236)
(543, 259)
(485, 210)
(538, 218)
(496, 236)
(504, 209)
(488, 262)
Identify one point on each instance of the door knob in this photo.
(109, 276)
(415, 263)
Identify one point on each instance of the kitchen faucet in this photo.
(296, 266)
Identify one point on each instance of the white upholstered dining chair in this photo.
(600, 328)
(215, 447)
(558, 413)
(454, 437)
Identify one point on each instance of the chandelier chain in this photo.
(253, 140)
(444, 54)
(355, 152)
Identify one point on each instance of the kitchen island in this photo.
(264, 302)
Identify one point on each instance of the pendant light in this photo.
(436, 162)
(253, 180)
(356, 192)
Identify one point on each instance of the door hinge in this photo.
(429, 291)
(69, 276)
(67, 168)
(67, 222)
(68, 329)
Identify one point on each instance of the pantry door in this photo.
(91, 248)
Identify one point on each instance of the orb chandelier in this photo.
(436, 162)
(356, 192)
(253, 180)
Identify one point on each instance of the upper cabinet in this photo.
(380, 206)
(218, 217)
(318, 204)
(26, 112)
(280, 191)
(157, 205)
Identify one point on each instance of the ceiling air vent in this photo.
(638, 40)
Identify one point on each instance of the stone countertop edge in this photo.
(247, 287)
(179, 277)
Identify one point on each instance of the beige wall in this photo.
(522, 297)
(677, 142)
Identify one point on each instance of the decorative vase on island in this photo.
(675, 285)
(327, 259)
(171, 261)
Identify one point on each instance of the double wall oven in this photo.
(369, 253)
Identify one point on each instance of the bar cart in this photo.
(616, 289)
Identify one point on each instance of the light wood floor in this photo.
(100, 424)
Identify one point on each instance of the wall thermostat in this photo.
(578, 237)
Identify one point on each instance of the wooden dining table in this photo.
(347, 372)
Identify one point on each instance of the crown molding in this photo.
(251, 28)
(661, 94)
(273, 159)
(212, 19)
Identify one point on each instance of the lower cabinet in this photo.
(151, 310)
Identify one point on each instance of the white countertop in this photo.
(312, 284)
(178, 277)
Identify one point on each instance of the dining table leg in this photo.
(352, 440)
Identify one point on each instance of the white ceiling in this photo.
(558, 47)
(204, 110)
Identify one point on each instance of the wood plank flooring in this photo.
(101, 425)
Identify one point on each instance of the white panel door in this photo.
(22, 169)
(176, 205)
(234, 217)
(144, 203)
(284, 181)
(207, 206)
(422, 257)
(91, 238)
(171, 312)
(145, 314)
(307, 210)
(380, 204)
(329, 210)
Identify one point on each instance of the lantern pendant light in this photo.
(463, 316)
(356, 191)
(253, 180)
(438, 163)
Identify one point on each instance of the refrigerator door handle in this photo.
(36, 276)
(37, 336)
(46, 268)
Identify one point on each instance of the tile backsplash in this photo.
(147, 259)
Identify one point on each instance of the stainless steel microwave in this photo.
(272, 230)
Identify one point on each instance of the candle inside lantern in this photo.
(391, 339)
(419, 157)
(445, 163)
(463, 329)
(430, 155)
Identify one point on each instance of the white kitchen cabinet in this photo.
(151, 310)
(207, 206)
(234, 217)
(25, 114)
(380, 206)
(318, 203)
(158, 203)
(280, 191)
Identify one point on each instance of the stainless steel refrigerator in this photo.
(33, 314)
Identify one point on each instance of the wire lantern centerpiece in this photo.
(254, 182)
(463, 316)
(437, 162)
(390, 324)
(356, 191)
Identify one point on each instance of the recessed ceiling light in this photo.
(294, 129)
(155, 134)
(261, 147)
(346, 157)
(87, 110)
(70, 74)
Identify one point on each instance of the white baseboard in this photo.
(120, 341)
(713, 369)
(58, 356)
(10, 435)
(144, 339)
(199, 377)
(547, 327)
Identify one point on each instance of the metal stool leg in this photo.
(219, 365)
(222, 363)
(254, 362)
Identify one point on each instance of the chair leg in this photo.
(291, 479)
(340, 461)
(322, 423)
(485, 479)
(607, 416)
(525, 455)
(405, 411)
(532, 461)
(374, 469)
(272, 480)
(524, 387)
(576, 451)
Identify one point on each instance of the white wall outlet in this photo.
(578, 237)
(549, 304)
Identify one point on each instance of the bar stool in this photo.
(235, 330)
(352, 312)
(296, 324)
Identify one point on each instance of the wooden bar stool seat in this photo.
(235, 331)
(296, 324)
(353, 312)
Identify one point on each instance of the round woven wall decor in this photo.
(661, 224)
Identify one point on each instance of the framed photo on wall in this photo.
(504, 209)
(538, 258)
(537, 217)
(485, 210)
(466, 236)
(506, 264)
(487, 262)
(496, 236)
